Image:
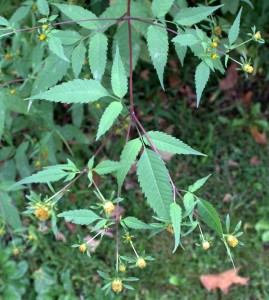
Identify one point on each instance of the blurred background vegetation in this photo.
(230, 126)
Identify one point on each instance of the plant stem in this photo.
(131, 243)
(96, 187)
(94, 237)
(158, 25)
(130, 56)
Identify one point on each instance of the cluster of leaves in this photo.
(53, 51)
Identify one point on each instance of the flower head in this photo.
(206, 245)
(232, 241)
(42, 213)
(42, 37)
(83, 247)
(116, 285)
(122, 268)
(214, 56)
(109, 207)
(141, 263)
(247, 68)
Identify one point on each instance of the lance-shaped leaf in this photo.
(154, 181)
(168, 143)
(118, 76)
(198, 184)
(76, 91)
(9, 212)
(134, 223)
(201, 78)
(55, 46)
(234, 30)
(108, 166)
(176, 217)
(75, 13)
(78, 57)
(98, 55)
(185, 39)
(193, 15)
(108, 117)
(209, 215)
(157, 39)
(43, 7)
(128, 155)
(80, 216)
(160, 7)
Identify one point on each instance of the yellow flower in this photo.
(31, 237)
(128, 238)
(42, 37)
(45, 26)
(97, 105)
(247, 68)
(42, 213)
(83, 247)
(116, 285)
(214, 56)
(232, 241)
(122, 268)
(16, 251)
(141, 263)
(214, 44)
(257, 36)
(12, 92)
(206, 245)
(8, 57)
(109, 207)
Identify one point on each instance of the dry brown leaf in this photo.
(227, 198)
(259, 137)
(231, 78)
(223, 280)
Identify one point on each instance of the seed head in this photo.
(116, 285)
(122, 268)
(42, 37)
(83, 248)
(232, 241)
(206, 245)
(16, 251)
(42, 213)
(247, 68)
(109, 207)
(141, 263)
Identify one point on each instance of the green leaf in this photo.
(98, 55)
(176, 217)
(55, 46)
(43, 7)
(108, 118)
(78, 57)
(154, 181)
(181, 52)
(201, 78)
(75, 13)
(108, 166)
(2, 117)
(80, 216)
(160, 7)
(157, 39)
(134, 223)
(67, 37)
(168, 143)
(4, 22)
(118, 76)
(234, 30)
(193, 15)
(209, 215)
(9, 212)
(188, 201)
(128, 155)
(186, 39)
(76, 91)
(198, 184)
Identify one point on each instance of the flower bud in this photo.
(232, 241)
(109, 207)
(141, 263)
(206, 245)
(116, 285)
(83, 248)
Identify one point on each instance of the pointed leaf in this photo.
(201, 78)
(118, 76)
(108, 117)
(234, 30)
(181, 52)
(154, 181)
(198, 184)
(134, 223)
(193, 15)
(160, 7)
(157, 39)
(108, 166)
(128, 155)
(75, 13)
(56, 47)
(176, 217)
(43, 7)
(186, 39)
(209, 215)
(80, 216)
(76, 91)
(78, 57)
(98, 55)
(168, 143)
